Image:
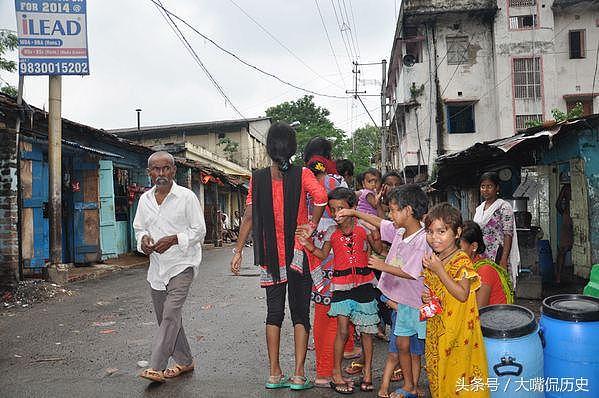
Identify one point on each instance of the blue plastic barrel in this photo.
(514, 350)
(570, 325)
(545, 260)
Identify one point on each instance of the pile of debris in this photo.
(29, 292)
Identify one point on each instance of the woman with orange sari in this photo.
(456, 362)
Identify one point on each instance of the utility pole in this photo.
(384, 118)
(55, 168)
(355, 70)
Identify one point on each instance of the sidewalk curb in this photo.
(102, 270)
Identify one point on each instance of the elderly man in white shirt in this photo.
(169, 227)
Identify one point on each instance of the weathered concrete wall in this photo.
(573, 76)
(251, 151)
(9, 242)
(487, 75)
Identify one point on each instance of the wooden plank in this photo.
(26, 179)
(91, 217)
(579, 211)
(91, 229)
(27, 233)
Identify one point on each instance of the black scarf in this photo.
(263, 218)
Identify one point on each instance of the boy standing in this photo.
(401, 280)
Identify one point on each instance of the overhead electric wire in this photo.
(190, 49)
(351, 10)
(280, 43)
(242, 60)
(347, 49)
(353, 30)
(195, 56)
(329, 40)
(367, 111)
(595, 74)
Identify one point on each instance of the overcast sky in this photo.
(136, 61)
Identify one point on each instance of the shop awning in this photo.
(91, 150)
(464, 167)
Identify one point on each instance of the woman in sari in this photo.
(496, 219)
(496, 287)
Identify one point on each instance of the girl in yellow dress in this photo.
(456, 363)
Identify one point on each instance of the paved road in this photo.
(95, 338)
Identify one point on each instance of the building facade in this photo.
(220, 143)
(471, 71)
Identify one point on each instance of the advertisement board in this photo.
(52, 37)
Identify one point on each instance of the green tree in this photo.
(314, 122)
(365, 148)
(8, 42)
(229, 146)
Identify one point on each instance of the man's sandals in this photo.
(154, 375)
(178, 370)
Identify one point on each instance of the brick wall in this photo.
(9, 242)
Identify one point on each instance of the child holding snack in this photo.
(455, 354)
(401, 282)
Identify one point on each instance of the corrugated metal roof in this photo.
(188, 128)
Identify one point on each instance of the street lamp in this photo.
(138, 118)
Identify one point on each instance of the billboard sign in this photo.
(52, 37)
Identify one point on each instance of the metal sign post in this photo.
(53, 41)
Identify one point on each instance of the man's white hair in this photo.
(161, 154)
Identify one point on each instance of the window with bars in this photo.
(527, 78)
(522, 3)
(457, 50)
(526, 121)
(413, 43)
(576, 41)
(460, 118)
(523, 22)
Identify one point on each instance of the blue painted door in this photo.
(38, 202)
(84, 246)
(107, 220)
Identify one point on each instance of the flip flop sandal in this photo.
(283, 382)
(358, 354)
(401, 393)
(342, 388)
(348, 381)
(397, 375)
(153, 375)
(354, 368)
(366, 386)
(178, 370)
(307, 384)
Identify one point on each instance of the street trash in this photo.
(143, 364)
(107, 331)
(110, 371)
(104, 324)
